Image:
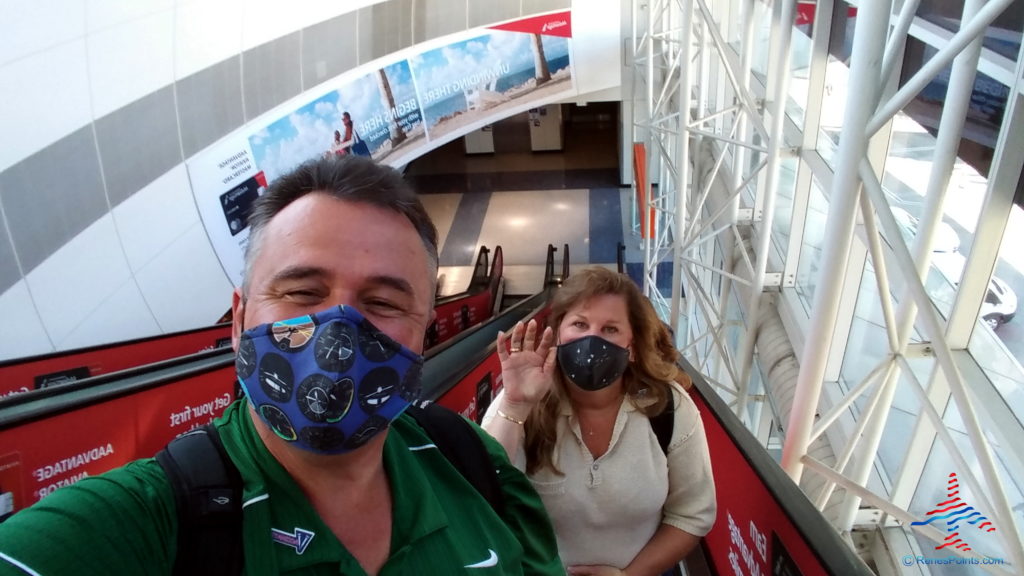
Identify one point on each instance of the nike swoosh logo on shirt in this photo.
(491, 561)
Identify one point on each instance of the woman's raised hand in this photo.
(527, 366)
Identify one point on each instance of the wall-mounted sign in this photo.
(394, 110)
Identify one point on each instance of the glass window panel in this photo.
(997, 361)
(1002, 36)
(810, 249)
(799, 65)
(985, 113)
(762, 40)
(837, 71)
(783, 221)
(999, 348)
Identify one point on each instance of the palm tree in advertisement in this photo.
(540, 63)
(397, 134)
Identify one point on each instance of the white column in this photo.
(869, 39)
(777, 107)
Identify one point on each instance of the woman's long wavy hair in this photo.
(647, 376)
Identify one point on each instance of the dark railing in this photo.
(22, 375)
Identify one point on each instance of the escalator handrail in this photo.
(565, 262)
(35, 407)
(99, 347)
(184, 362)
(447, 364)
(37, 404)
(549, 265)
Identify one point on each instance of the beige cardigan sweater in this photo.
(605, 510)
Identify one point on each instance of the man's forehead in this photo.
(318, 219)
(322, 208)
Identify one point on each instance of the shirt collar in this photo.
(416, 511)
(565, 407)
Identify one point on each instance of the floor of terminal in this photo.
(523, 200)
(589, 157)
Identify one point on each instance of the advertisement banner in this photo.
(458, 315)
(752, 535)
(168, 411)
(471, 396)
(467, 84)
(393, 111)
(23, 375)
(103, 436)
(92, 440)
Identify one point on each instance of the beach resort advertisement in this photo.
(392, 110)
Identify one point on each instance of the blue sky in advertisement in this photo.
(309, 130)
(499, 57)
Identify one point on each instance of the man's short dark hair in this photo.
(350, 178)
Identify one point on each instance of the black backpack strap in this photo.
(460, 444)
(664, 423)
(208, 497)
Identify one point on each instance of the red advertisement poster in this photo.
(473, 393)
(92, 440)
(557, 24)
(752, 535)
(168, 411)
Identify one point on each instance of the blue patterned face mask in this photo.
(328, 382)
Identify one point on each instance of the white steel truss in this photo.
(716, 135)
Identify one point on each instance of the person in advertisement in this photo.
(337, 478)
(352, 141)
(592, 410)
(338, 146)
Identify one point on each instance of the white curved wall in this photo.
(100, 239)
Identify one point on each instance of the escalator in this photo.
(765, 524)
(21, 375)
(453, 314)
(55, 436)
(478, 303)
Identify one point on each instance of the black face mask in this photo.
(592, 363)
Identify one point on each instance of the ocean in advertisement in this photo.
(514, 79)
(447, 107)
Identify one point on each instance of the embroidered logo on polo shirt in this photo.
(299, 539)
(490, 561)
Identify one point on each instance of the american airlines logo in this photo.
(955, 513)
(553, 24)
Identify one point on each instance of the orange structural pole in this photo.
(642, 190)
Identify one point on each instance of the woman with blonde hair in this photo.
(578, 412)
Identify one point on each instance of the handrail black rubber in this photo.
(160, 367)
(565, 262)
(31, 406)
(58, 354)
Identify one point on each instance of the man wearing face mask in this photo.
(615, 448)
(328, 328)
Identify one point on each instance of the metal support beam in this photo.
(869, 39)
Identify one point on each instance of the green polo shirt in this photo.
(123, 522)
